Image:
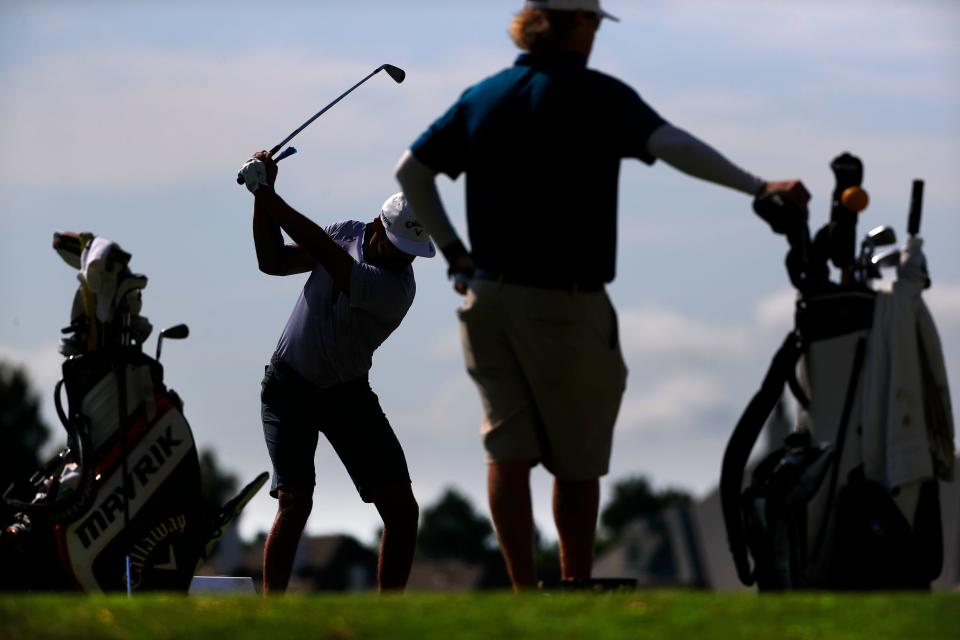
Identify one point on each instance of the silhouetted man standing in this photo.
(541, 145)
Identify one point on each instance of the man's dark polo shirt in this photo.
(541, 144)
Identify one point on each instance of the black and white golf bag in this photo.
(850, 500)
(120, 508)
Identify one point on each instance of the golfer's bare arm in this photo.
(313, 245)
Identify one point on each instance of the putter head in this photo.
(396, 73)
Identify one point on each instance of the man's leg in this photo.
(362, 436)
(575, 506)
(400, 514)
(281, 545)
(577, 376)
(510, 422)
(508, 485)
(287, 413)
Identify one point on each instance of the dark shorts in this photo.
(295, 412)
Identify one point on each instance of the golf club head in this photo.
(176, 332)
(888, 258)
(396, 73)
(881, 236)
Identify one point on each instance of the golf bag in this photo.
(120, 507)
(849, 501)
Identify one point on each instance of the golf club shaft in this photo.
(322, 111)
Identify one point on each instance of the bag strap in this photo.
(741, 443)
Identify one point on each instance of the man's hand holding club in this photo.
(259, 171)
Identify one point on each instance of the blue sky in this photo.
(129, 119)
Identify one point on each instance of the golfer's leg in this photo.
(400, 514)
(281, 545)
(575, 506)
(508, 484)
(291, 442)
(362, 436)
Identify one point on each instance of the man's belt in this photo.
(287, 373)
(540, 282)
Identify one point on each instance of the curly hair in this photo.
(541, 30)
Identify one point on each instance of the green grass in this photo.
(672, 615)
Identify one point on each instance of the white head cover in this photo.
(403, 229)
(570, 5)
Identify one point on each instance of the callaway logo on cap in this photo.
(403, 229)
(570, 5)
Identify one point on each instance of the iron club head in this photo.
(876, 237)
(881, 236)
(396, 73)
(888, 258)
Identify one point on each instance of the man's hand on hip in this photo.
(460, 266)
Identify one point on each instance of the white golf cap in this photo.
(403, 229)
(570, 5)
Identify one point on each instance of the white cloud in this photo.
(665, 334)
(676, 404)
(820, 28)
(452, 403)
(775, 311)
(122, 118)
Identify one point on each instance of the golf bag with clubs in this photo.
(120, 507)
(850, 499)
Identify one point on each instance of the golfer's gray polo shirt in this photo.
(330, 338)
(541, 144)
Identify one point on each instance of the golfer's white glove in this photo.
(254, 174)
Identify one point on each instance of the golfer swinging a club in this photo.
(541, 144)
(360, 287)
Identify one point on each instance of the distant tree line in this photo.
(22, 430)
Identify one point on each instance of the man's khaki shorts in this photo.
(550, 373)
